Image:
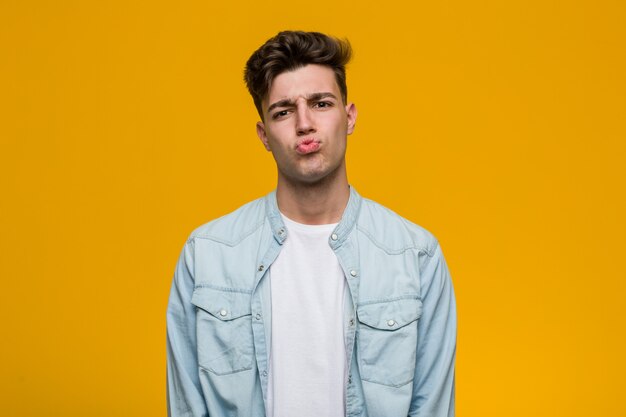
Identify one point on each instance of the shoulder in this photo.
(392, 232)
(235, 226)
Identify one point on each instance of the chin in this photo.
(305, 178)
(314, 177)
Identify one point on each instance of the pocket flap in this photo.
(390, 315)
(224, 305)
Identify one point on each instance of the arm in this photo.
(433, 389)
(184, 395)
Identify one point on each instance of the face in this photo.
(306, 124)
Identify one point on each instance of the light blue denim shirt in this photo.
(399, 319)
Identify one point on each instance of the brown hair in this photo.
(290, 50)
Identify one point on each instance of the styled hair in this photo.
(290, 50)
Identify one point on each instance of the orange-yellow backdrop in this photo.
(499, 126)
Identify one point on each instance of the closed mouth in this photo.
(306, 146)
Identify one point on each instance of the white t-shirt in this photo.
(308, 363)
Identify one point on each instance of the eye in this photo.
(323, 104)
(280, 114)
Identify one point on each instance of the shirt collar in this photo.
(339, 234)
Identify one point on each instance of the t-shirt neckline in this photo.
(311, 228)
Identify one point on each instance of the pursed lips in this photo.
(307, 145)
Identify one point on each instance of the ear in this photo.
(352, 113)
(260, 131)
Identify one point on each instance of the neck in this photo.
(322, 202)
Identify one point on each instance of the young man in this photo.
(310, 301)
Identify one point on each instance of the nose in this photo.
(304, 121)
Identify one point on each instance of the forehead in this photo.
(302, 82)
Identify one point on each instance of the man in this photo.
(310, 301)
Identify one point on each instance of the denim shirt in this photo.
(399, 318)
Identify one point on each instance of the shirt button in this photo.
(223, 313)
(258, 316)
(390, 323)
(351, 322)
(334, 236)
(261, 267)
(350, 379)
(264, 373)
(353, 273)
(281, 232)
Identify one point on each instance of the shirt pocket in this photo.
(387, 341)
(224, 330)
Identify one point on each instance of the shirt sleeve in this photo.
(184, 394)
(433, 389)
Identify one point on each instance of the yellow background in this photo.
(497, 125)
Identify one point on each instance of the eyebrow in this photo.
(290, 103)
